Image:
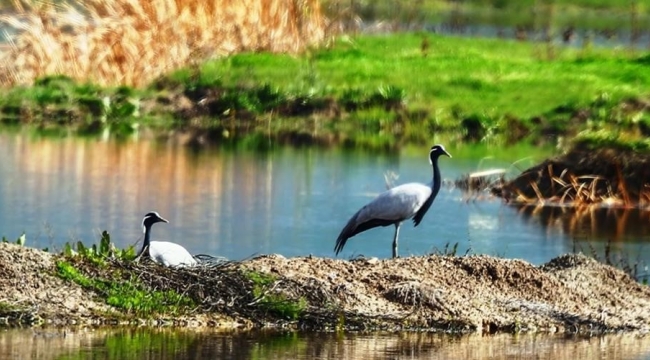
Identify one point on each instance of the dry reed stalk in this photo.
(538, 193)
(131, 42)
(622, 187)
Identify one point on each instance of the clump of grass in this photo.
(61, 101)
(129, 295)
(271, 301)
(20, 241)
(99, 254)
(450, 250)
(133, 42)
(635, 268)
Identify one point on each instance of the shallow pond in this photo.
(289, 201)
(184, 344)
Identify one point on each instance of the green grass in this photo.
(276, 303)
(493, 81)
(129, 296)
(367, 91)
(59, 100)
(488, 76)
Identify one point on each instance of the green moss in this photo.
(128, 295)
(120, 290)
(6, 307)
(275, 303)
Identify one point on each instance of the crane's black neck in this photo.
(435, 187)
(437, 181)
(147, 239)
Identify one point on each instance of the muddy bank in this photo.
(571, 293)
(584, 175)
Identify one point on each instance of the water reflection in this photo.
(188, 344)
(289, 201)
(590, 222)
(230, 203)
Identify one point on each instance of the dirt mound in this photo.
(476, 293)
(570, 293)
(29, 292)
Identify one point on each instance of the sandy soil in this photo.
(477, 293)
(571, 293)
(27, 283)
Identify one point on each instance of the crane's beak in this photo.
(162, 219)
(446, 153)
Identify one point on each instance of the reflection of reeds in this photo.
(607, 226)
(636, 268)
(133, 41)
(133, 343)
(135, 177)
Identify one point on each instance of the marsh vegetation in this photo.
(299, 81)
(258, 74)
(376, 92)
(457, 294)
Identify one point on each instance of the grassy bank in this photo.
(483, 76)
(104, 286)
(373, 91)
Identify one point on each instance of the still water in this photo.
(289, 201)
(184, 344)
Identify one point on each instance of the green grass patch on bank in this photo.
(367, 91)
(126, 293)
(276, 303)
(487, 90)
(473, 74)
(129, 296)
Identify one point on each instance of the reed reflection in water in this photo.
(591, 222)
(187, 344)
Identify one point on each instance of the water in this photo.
(290, 201)
(569, 26)
(188, 344)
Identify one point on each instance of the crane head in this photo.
(436, 151)
(152, 218)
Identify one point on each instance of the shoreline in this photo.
(469, 294)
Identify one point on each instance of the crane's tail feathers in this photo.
(205, 258)
(348, 231)
(340, 243)
(352, 229)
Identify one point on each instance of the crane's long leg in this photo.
(397, 225)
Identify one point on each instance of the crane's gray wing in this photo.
(390, 207)
(397, 204)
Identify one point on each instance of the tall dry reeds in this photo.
(131, 42)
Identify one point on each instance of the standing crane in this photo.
(395, 205)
